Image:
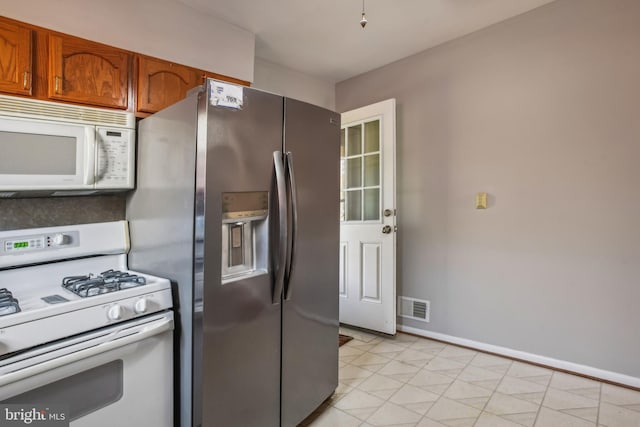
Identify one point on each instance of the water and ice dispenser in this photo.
(245, 235)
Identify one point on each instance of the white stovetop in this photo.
(29, 285)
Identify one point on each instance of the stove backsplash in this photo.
(54, 211)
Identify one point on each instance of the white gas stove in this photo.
(39, 292)
(67, 299)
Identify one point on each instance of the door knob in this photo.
(386, 229)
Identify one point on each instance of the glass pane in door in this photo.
(354, 205)
(371, 170)
(371, 204)
(354, 172)
(360, 168)
(354, 140)
(372, 136)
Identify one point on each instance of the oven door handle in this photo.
(108, 342)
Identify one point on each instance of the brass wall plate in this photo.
(481, 201)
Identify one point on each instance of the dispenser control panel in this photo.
(245, 205)
(244, 234)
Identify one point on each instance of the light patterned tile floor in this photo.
(406, 381)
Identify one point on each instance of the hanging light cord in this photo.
(363, 21)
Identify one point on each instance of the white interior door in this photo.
(368, 217)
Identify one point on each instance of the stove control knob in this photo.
(140, 306)
(60, 239)
(114, 312)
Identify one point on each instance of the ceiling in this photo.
(323, 38)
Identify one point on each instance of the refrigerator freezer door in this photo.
(241, 325)
(310, 316)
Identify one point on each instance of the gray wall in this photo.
(542, 112)
(294, 84)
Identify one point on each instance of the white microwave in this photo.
(58, 149)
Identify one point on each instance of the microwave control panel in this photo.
(115, 148)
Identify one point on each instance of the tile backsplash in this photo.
(54, 211)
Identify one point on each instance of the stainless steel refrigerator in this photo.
(236, 201)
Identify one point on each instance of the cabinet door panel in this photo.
(162, 83)
(86, 72)
(15, 58)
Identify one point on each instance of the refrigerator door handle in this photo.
(279, 262)
(291, 182)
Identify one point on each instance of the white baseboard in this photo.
(529, 357)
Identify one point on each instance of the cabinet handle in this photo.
(25, 80)
(57, 85)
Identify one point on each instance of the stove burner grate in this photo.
(105, 282)
(8, 304)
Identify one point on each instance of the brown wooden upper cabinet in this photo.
(16, 70)
(87, 72)
(162, 83)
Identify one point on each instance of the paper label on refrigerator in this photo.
(226, 95)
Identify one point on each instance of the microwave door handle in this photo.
(89, 156)
(101, 152)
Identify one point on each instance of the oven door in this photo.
(42, 155)
(118, 376)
